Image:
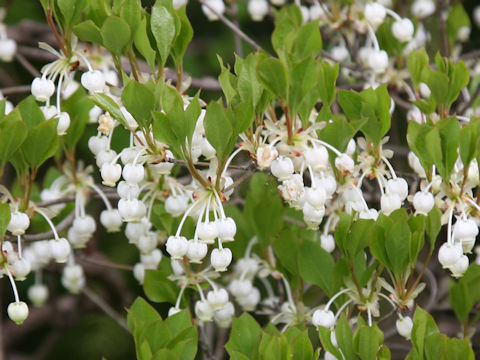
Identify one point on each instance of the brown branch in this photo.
(231, 26)
(105, 307)
(16, 89)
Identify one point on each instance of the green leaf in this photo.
(67, 8)
(316, 266)
(140, 102)
(41, 143)
(308, 42)
(115, 34)
(183, 37)
(244, 337)
(397, 247)
(78, 106)
(344, 337)
(367, 341)
(273, 76)
(433, 226)
(30, 112)
(158, 287)
(327, 77)
(468, 144)
(449, 132)
(287, 21)
(88, 31)
(218, 129)
(142, 43)
(359, 237)
(4, 218)
(164, 133)
(131, 12)
(13, 133)
(162, 23)
(325, 338)
(263, 208)
(460, 299)
(106, 103)
(417, 60)
(423, 326)
(140, 314)
(249, 86)
(301, 346)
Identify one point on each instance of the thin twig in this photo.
(107, 309)
(90, 260)
(16, 89)
(26, 64)
(231, 26)
(62, 225)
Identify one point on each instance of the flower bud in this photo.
(93, 81)
(265, 155)
(223, 317)
(8, 48)
(131, 209)
(176, 205)
(21, 268)
(63, 123)
(151, 260)
(133, 174)
(251, 300)
(19, 222)
(177, 4)
(42, 88)
(128, 191)
(312, 216)
(324, 318)
(73, 278)
(147, 243)
(378, 61)
(96, 144)
(38, 294)
(60, 249)
(459, 267)
(316, 196)
(257, 9)
(390, 202)
(403, 30)
(173, 310)
(424, 90)
(221, 258)
(398, 187)
(449, 254)
(207, 232)
(316, 157)
(423, 8)
(105, 156)
(217, 298)
(196, 251)
(204, 311)
(17, 312)
(368, 214)
(423, 202)
(177, 247)
(110, 174)
(465, 232)
(327, 242)
(375, 13)
(404, 326)
(282, 168)
(240, 288)
(344, 163)
(111, 220)
(217, 5)
(139, 272)
(226, 229)
(84, 225)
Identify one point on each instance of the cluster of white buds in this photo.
(241, 287)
